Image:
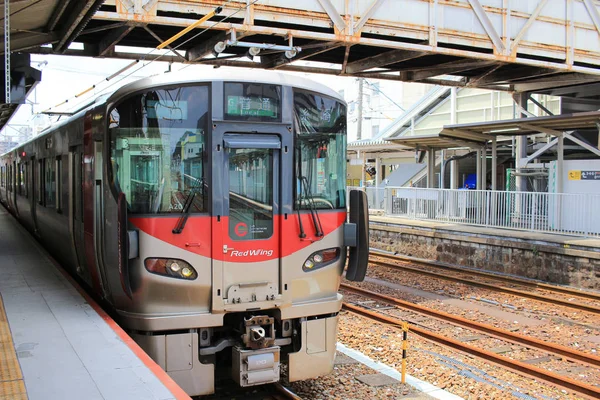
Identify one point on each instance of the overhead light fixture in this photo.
(504, 130)
(291, 53)
(252, 52)
(219, 48)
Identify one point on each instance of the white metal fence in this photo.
(572, 214)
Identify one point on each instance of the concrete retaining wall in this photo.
(550, 261)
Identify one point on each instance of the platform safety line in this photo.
(382, 368)
(160, 373)
(12, 385)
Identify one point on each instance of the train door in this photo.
(34, 197)
(76, 209)
(16, 185)
(246, 238)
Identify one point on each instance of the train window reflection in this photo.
(158, 149)
(320, 151)
(50, 183)
(250, 193)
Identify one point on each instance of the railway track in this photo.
(514, 365)
(275, 391)
(494, 287)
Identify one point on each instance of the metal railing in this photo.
(571, 214)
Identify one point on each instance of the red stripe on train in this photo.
(199, 230)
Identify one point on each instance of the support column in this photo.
(360, 109)
(484, 168)
(377, 177)
(521, 142)
(363, 178)
(430, 168)
(453, 105)
(494, 164)
(7, 52)
(453, 174)
(443, 170)
(478, 162)
(560, 164)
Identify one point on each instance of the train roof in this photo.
(190, 77)
(250, 76)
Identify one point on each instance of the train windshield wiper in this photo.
(314, 213)
(187, 205)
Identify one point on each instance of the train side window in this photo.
(1, 176)
(50, 182)
(26, 179)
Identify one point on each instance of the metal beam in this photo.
(487, 25)
(274, 61)
(560, 79)
(207, 47)
(29, 40)
(541, 129)
(540, 105)
(541, 151)
(160, 40)
(333, 14)
(508, 73)
(383, 59)
(367, 15)
(468, 135)
(345, 62)
(108, 42)
(103, 28)
(76, 16)
(57, 14)
(149, 4)
(593, 11)
(583, 144)
(448, 68)
(388, 37)
(475, 81)
(525, 27)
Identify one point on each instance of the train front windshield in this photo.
(320, 151)
(158, 149)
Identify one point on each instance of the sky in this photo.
(63, 77)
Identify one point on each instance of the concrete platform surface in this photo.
(67, 347)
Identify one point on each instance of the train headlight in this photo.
(321, 258)
(170, 268)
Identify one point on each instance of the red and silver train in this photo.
(209, 214)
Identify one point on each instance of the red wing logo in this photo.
(241, 229)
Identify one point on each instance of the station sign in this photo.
(576, 175)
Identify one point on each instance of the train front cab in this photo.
(228, 204)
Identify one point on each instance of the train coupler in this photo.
(255, 367)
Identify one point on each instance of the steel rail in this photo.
(517, 366)
(285, 393)
(516, 281)
(515, 292)
(563, 351)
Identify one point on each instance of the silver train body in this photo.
(209, 214)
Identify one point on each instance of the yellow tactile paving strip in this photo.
(12, 386)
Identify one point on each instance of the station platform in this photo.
(56, 342)
(560, 259)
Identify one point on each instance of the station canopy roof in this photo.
(477, 134)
